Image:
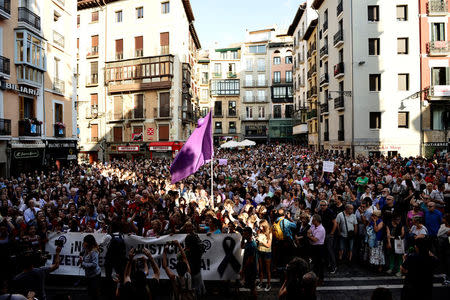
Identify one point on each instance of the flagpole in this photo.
(212, 182)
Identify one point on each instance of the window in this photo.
(374, 46)
(403, 119)
(94, 73)
(277, 111)
(164, 104)
(138, 106)
(94, 45)
(164, 42)
(279, 92)
(440, 76)
(373, 14)
(234, 54)
(262, 80)
(277, 60)
(259, 49)
(249, 112)
(119, 49)
(78, 20)
(261, 65)
(205, 77)
(163, 131)
(232, 127)
(94, 132)
(217, 127)
(94, 16)
(139, 12)
(139, 46)
(438, 32)
(249, 64)
(374, 82)
(218, 108)
(261, 95)
(94, 99)
(289, 111)
(288, 76)
(225, 87)
(402, 45)
(402, 12)
(117, 134)
(118, 108)
(58, 113)
(165, 7)
(440, 119)
(375, 120)
(403, 82)
(248, 80)
(276, 77)
(288, 60)
(137, 133)
(261, 112)
(29, 50)
(231, 108)
(118, 16)
(217, 69)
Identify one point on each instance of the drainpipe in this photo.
(421, 86)
(353, 84)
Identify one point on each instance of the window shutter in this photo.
(441, 32)
(94, 99)
(94, 40)
(163, 132)
(447, 76)
(401, 82)
(371, 13)
(119, 46)
(21, 108)
(118, 108)
(117, 134)
(94, 67)
(94, 16)
(164, 38)
(94, 132)
(139, 42)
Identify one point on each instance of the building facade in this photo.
(370, 76)
(281, 88)
(255, 109)
(140, 95)
(435, 76)
(225, 92)
(37, 96)
(304, 16)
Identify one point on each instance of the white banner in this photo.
(222, 259)
(328, 166)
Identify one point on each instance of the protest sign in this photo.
(222, 259)
(328, 166)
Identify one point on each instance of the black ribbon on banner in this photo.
(229, 257)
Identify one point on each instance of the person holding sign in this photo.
(89, 262)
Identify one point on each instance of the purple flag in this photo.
(223, 162)
(197, 149)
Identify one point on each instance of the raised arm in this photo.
(155, 268)
(164, 264)
(183, 255)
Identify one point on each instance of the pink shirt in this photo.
(319, 233)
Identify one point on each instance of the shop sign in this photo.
(61, 145)
(435, 144)
(161, 148)
(382, 148)
(441, 90)
(26, 154)
(128, 148)
(71, 157)
(19, 88)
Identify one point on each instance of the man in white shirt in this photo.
(30, 213)
(347, 223)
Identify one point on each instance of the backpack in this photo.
(277, 230)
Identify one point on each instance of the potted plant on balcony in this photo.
(59, 127)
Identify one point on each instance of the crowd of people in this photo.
(297, 222)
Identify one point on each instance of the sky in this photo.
(225, 21)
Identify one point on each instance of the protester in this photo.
(89, 262)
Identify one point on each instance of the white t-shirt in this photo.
(351, 222)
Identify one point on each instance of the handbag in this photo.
(399, 246)
(350, 234)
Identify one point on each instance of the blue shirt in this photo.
(287, 227)
(433, 221)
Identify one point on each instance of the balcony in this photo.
(138, 74)
(92, 111)
(341, 135)
(225, 87)
(301, 59)
(187, 113)
(312, 92)
(339, 8)
(30, 127)
(217, 75)
(438, 48)
(311, 114)
(324, 80)
(339, 70)
(311, 50)
(324, 108)
(92, 80)
(29, 17)
(93, 52)
(232, 113)
(58, 39)
(5, 127)
(323, 52)
(217, 130)
(165, 50)
(232, 130)
(59, 130)
(254, 117)
(255, 83)
(231, 75)
(312, 71)
(162, 113)
(5, 9)
(58, 85)
(5, 65)
(326, 136)
(338, 38)
(339, 103)
(437, 7)
(325, 26)
(439, 92)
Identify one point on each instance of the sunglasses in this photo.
(430, 206)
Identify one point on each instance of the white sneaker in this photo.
(268, 288)
(389, 272)
(398, 274)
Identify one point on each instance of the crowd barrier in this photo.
(222, 259)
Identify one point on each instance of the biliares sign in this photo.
(19, 88)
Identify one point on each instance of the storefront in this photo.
(62, 152)
(164, 149)
(435, 148)
(26, 157)
(132, 152)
